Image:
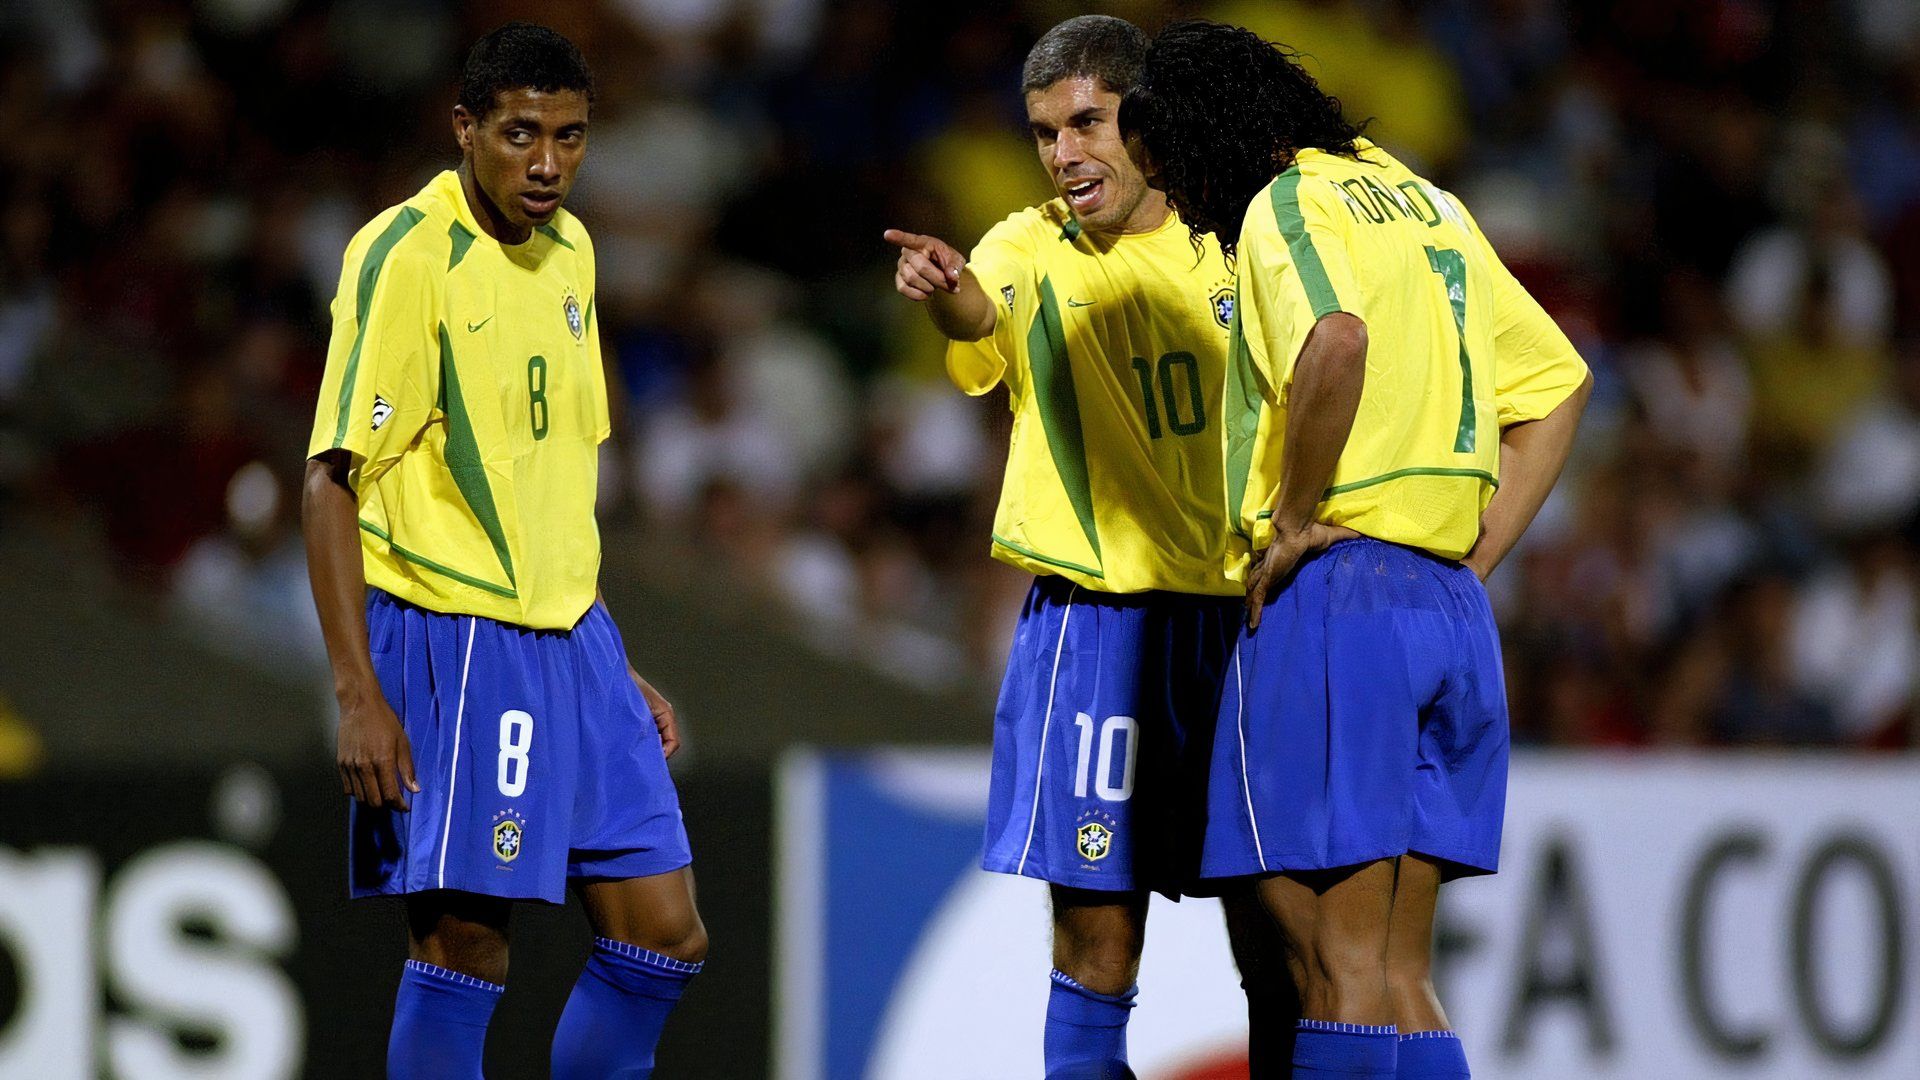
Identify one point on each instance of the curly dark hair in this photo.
(1221, 111)
(521, 56)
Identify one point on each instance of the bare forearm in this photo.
(330, 523)
(1327, 380)
(966, 314)
(1532, 456)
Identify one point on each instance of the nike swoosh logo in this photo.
(473, 327)
(1080, 303)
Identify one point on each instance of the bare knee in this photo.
(463, 934)
(1416, 1004)
(1098, 945)
(679, 934)
(689, 940)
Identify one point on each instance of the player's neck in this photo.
(491, 220)
(1148, 216)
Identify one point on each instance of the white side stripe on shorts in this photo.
(1040, 770)
(453, 770)
(1240, 726)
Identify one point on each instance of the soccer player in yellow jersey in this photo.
(495, 742)
(1391, 378)
(1109, 327)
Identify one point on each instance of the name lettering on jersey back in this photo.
(1368, 200)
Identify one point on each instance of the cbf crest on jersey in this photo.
(509, 835)
(1223, 301)
(1006, 293)
(574, 322)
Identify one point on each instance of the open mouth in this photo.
(540, 203)
(1084, 196)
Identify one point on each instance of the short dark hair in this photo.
(1098, 46)
(1222, 112)
(521, 56)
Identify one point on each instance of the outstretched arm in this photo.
(1531, 457)
(932, 272)
(374, 758)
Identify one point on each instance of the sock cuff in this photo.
(445, 975)
(1061, 978)
(1407, 1035)
(663, 964)
(1334, 1026)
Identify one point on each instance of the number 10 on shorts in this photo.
(1121, 730)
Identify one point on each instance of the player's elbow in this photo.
(1342, 336)
(325, 482)
(1577, 401)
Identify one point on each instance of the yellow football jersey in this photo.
(1113, 350)
(464, 377)
(1456, 351)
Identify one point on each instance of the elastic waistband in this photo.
(1357, 542)
(1056, 589)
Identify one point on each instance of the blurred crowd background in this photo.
(1718, 199)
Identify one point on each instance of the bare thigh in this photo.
(1410, 946)
(1336, 925)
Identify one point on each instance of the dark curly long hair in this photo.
(1221, 112)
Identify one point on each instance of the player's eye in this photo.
(519, 136)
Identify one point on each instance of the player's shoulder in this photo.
(410, 235)
(1036, 225)
(569, 232)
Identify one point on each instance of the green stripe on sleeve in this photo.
(1060, 408)
(1306, 258)
(469, 469)
(462, 240)
(444, 571)
(1243, 406)
(376, 257)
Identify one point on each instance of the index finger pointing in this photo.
(903, 238)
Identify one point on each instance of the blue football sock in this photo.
(1432, 1055)
(439, 1024)
(1345, 1051)
(614, 1016)
(1087, 1032)
(1273, 1011)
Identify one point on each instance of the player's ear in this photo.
(463, 125)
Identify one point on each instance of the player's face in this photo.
(1076, 125)
(524, 155)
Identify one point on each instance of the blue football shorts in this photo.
(1365, 719)
(537, 757)
(1103, 737)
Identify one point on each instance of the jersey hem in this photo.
(445, 571)
(1037, 557)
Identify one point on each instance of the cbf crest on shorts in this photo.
(509, 835)
(1095, 841)
(571, 305)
